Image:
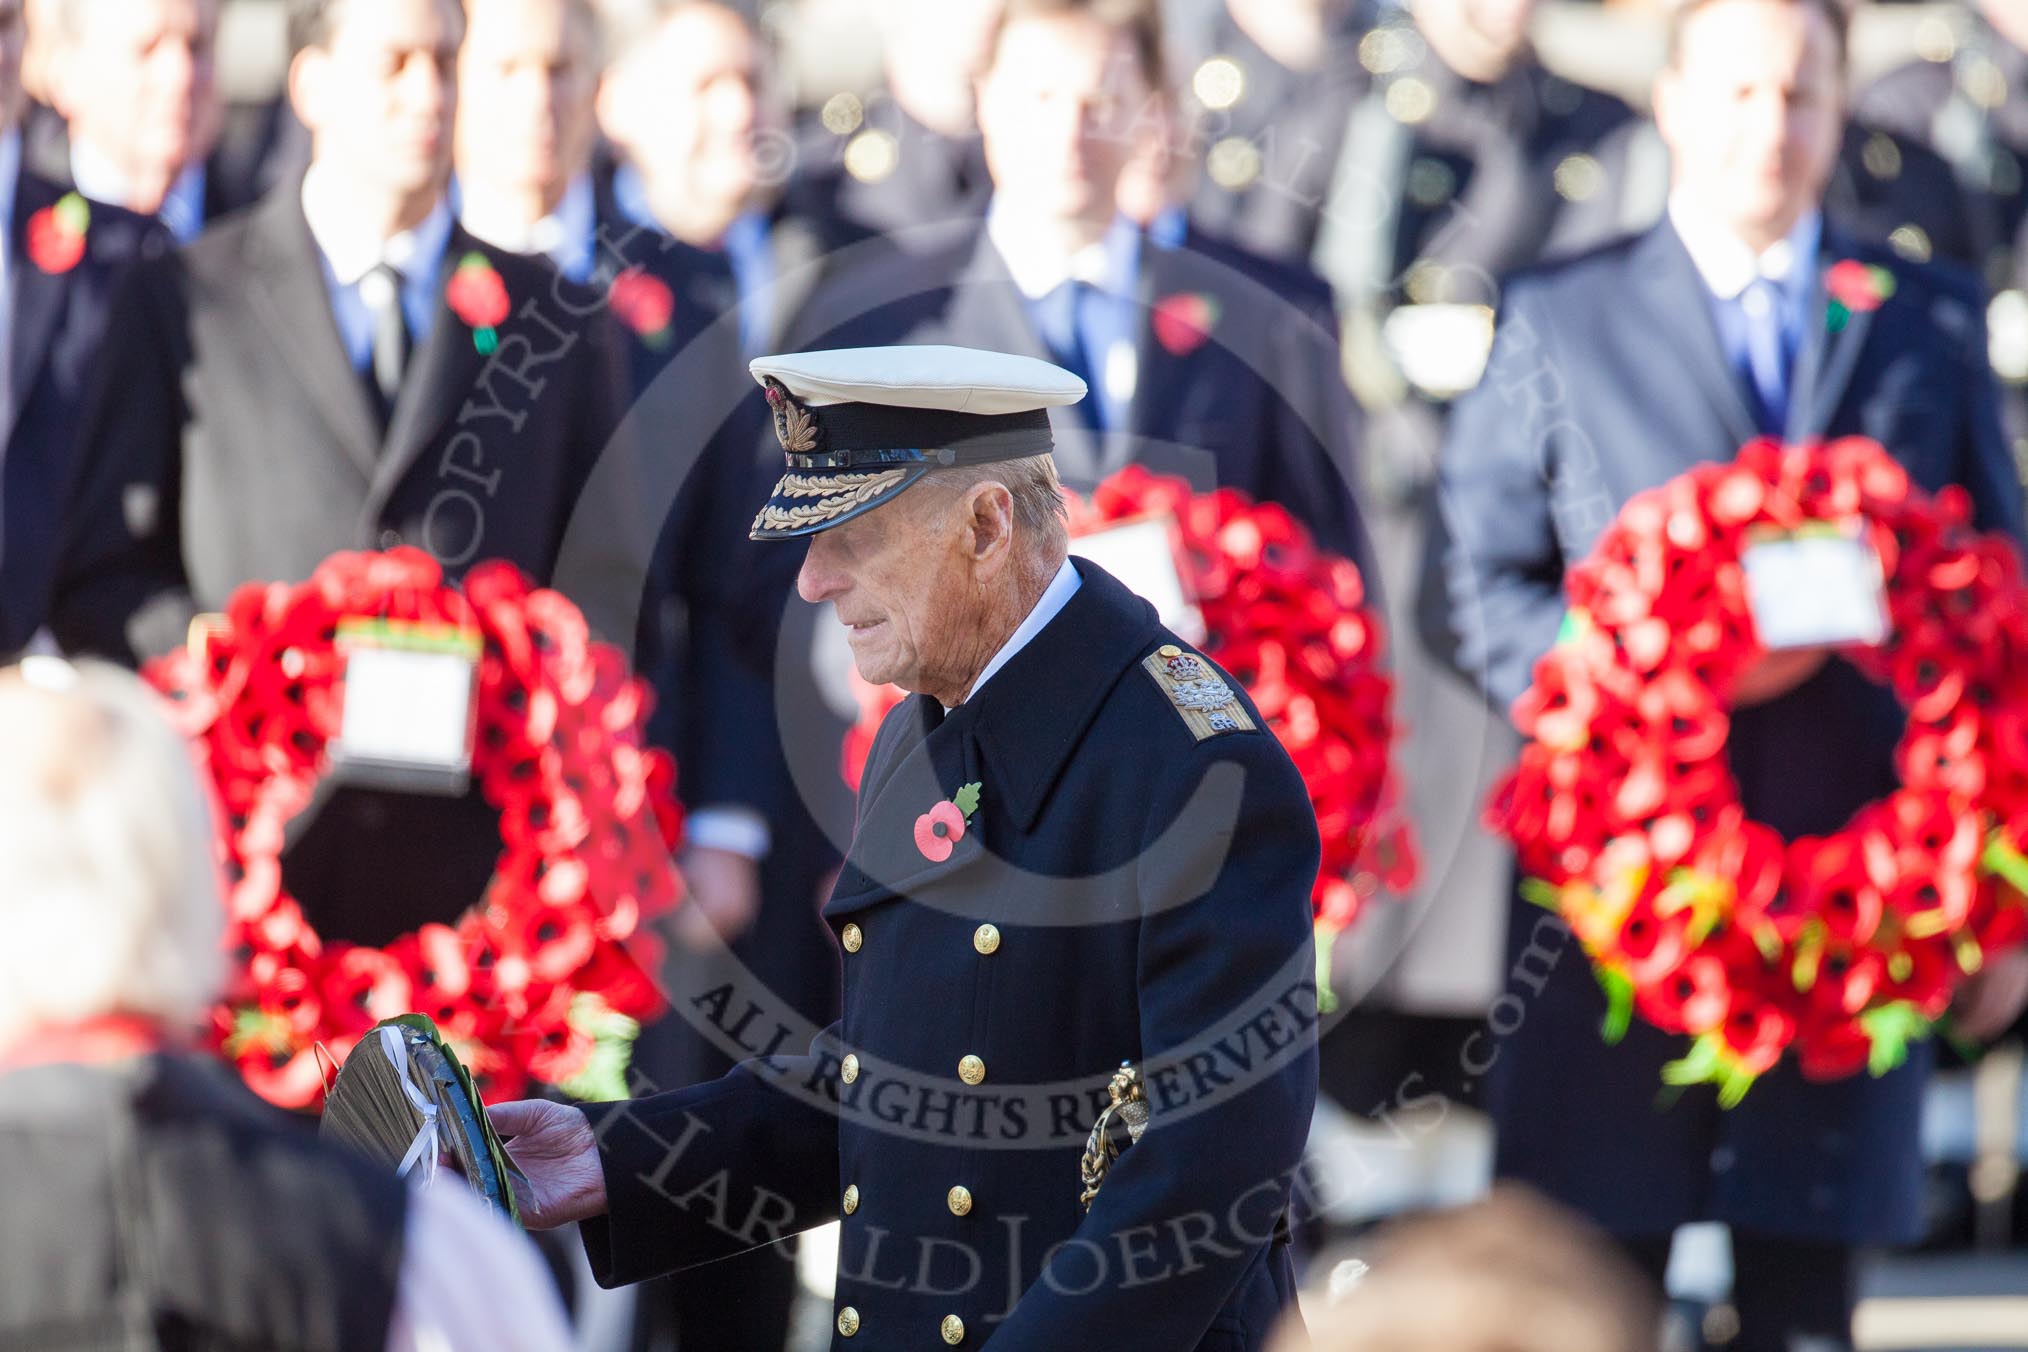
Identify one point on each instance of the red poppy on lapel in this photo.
(644, 304)
(1855, 288)
(1183, 322)
(56, 234)
(478, 296)
(938, 831)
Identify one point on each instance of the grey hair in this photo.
(1040, 517)
(113, 901)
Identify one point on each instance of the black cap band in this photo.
(881, 434)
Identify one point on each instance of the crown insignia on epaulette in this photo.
(1207, 704)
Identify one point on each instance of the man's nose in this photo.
(817, 580)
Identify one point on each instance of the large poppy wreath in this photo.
(1290, 622)
(544, 977)
(1627, 817)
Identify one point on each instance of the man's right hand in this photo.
(553, 1145)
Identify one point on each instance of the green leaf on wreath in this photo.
(1891, 1027)
(1619, 994)
(2003, 860)
(1327, 999)
(966, 800)
(254, 1028)
(1732, 1088)
(604, 1077)
(1699, 1066)
(1539, 893)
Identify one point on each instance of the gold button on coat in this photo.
(986, 939)
(853, 938)
(954, 1330)
(848, 1321)
(960, 1199)
(851, 1198)
(849, 1071)
(972, 1070)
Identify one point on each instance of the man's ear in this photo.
(308, 71)
(1662, 104)
(989, 522)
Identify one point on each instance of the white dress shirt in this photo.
(1728, 264)
(349, 254)
(1054, 598)
(567, 236)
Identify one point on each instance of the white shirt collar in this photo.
(1728, 264)
(564, 236)
(1037, 266)
(98, 178)
(1054, 598)
(351, 254)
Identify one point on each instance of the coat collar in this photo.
(1014, 738)
(1035, 711)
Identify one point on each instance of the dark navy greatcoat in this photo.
(56, 322)
(1608, 377)
(1126, 892)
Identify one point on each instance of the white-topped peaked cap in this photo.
(860, 424)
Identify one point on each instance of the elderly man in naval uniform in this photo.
(1069, 1093)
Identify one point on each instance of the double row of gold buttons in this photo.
(972, 1070)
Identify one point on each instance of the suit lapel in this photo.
(37, 302)
(924, 770)
(1674, 290)
(988, 310)
(1825, 366)
(441, 373)
(292, 299)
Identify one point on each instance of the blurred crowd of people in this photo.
(1279, 239)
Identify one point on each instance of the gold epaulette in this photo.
(1206, 703)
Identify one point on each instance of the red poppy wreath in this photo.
(1290, 622)
(544, 978)
(1627, 817)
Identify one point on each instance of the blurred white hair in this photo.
(110, 899)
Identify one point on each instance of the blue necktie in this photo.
(1767, 353)
(1062, 316)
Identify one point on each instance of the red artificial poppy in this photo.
(56, 234)
(938, 831)
(1858, 286)
(477, 294)
(1182, 323)
(645, 304)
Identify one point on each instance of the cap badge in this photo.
(795, 428)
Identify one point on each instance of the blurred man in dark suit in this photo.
(143, 123)
(529, 93)
(1965, 102)
(1611, 374)
(345, 368)
(1202, 362)
(907, 153)
(703, 154)
(58, 263)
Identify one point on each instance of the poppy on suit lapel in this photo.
(644, 304)
(1183, 322)
(478, 296)
(1855, 288)
(56, 234)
